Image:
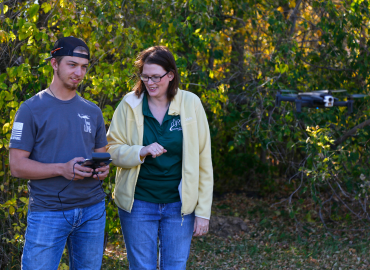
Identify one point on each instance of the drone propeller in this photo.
(309, 94)
(357, 96)
(330, 91)
(287, 91)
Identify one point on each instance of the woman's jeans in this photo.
(48, 232)
(149, 221)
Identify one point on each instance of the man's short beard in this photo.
(66, 85)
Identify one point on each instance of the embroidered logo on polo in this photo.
(17, 131)
(87, 126)
(176, 125)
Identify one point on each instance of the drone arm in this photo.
(348, 104)
(340, 103)
(298, 105)
(280, 98)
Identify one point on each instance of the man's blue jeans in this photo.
(145, 224)
(48, 232)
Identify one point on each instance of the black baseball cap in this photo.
(65, 47)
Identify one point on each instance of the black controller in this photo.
(98, 160)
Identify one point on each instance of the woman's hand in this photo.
(154, 149)
(201, 226)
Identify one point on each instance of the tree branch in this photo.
(329, 68)
(350, 133)
(293, 17)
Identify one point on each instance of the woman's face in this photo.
(157, 89)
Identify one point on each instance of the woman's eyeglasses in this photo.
(155, 78)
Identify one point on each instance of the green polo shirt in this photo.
(159, 177)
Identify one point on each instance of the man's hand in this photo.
(102, 173)
(201, 226)
(80, 172)
(154, 149)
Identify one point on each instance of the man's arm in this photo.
(23, 167)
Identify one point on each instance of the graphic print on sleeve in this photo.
(17, 131)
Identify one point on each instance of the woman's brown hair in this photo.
(159, 55)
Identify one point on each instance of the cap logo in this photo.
(57, 49)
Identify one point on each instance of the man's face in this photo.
(71, 71)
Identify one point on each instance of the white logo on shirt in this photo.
(188, 119)
(87, 126)
(17, 131)
(176, 125)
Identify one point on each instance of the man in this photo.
(52, 131)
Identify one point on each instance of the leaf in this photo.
(46, 7)
(24, 200)
(12, 104)
(3, 36)
(109, 28)
(11, 210)
(6, 128)
(2, 77)
(32, 11)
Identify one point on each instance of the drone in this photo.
(316, 99)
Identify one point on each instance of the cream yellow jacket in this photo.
(125, 140)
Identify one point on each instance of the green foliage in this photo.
(234, 55)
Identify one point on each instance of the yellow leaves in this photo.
(24, 200)
(95, 23)
(292, 4)
(46, 7)
(6, 128)
(33, 12)
(357, 2)
(5, 9)
(211, 74)
(109, 28)
(11, 210)
(63, 3)
(63, 266)
(215, 97)
(3, 36)
(281, 10)
(171, 28)
(12, 36)
(281, 67)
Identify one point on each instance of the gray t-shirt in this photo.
(56, 131)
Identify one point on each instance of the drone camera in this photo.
(329, 101)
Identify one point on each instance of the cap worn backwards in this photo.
(65, 47)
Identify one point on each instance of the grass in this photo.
(273, 241)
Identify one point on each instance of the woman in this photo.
(159, 140)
